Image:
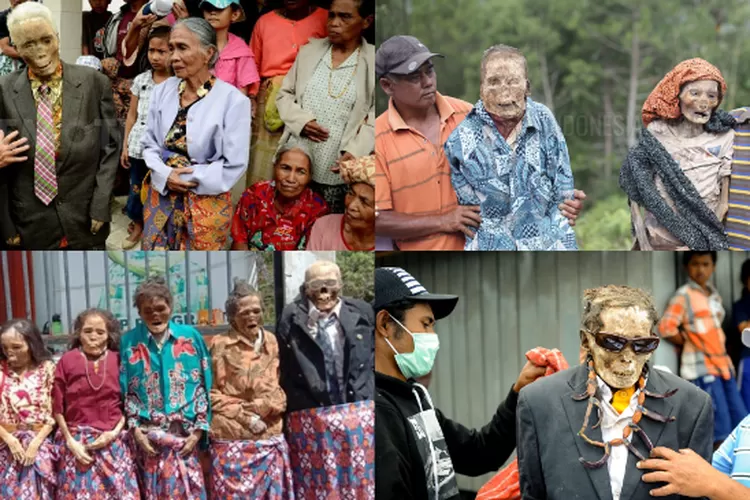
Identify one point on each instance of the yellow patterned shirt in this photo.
(56, 87)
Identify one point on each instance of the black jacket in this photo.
(303, 376)
(403, 455)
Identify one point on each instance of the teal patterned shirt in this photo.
(166, 385)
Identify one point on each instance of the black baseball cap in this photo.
(401, 55)
(393, 284)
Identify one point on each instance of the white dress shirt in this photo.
(613, 425)
(335, 334)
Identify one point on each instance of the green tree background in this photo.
(592, 62)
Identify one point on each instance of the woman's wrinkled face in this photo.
(620, 370)
(698, 100)
(187, 56)
(292, 174)
(39, 46)
(249, 317)
(155, 314)
(94, 335)
(16, 350)
(344, 22)
(505, 87)
(360, 207)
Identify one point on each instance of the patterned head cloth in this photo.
(90, 61)
(358, 170)
(664, 101)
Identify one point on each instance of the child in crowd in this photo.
(135, 126)
(236, 64)
(92, 26)
(693, 320)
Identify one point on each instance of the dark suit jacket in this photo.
(86, 162)
(548, 421)
(302, 365)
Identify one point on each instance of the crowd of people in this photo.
(225, 141)
(159, 412)
(613, 426)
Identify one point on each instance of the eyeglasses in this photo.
(319, 284)
(616, 343)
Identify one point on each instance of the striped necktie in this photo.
(45, 179)
(332, 377)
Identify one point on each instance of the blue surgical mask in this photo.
(419, 362)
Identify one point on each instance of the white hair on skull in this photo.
(29, 11)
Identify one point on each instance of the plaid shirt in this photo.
(697, 316)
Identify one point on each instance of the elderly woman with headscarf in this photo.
(278, 214)
(355, 228)
(328, 97)
(196, 147)
(27, 456)
(249, 455)
(679, 170)
(164, 377)
(87, 405)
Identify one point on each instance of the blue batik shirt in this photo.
(733, 456)
(519, 189)
(166, 384)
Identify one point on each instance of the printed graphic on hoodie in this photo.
(441, 478)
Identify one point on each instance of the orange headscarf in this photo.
(664, 101)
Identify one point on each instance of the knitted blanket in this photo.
(691, 221)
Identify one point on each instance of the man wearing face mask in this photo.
(582, 431)
(326, 363)
(59, 196)
(419, 450)
(509, 157)
(415, 204)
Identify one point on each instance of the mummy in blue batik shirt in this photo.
(520, 179)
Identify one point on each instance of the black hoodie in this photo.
(415, 442)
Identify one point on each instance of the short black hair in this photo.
(397, 310)
(688, 256)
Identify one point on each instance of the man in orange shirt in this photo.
(415, 202)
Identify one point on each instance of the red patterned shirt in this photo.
(258, 223)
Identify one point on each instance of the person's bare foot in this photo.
(134, 238)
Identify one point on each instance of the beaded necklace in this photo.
(632, 427)
(96, 369)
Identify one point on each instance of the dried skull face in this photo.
(39, 46)
(322, 285)
(621, 369)
(505, 87)
(698, 100)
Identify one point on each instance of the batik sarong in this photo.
(332, 451)
(251, 469)
(186, 221)
(35, 482)
(111, 475)
(167, 474)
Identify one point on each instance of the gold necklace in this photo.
(96, 369)
(349, 82)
